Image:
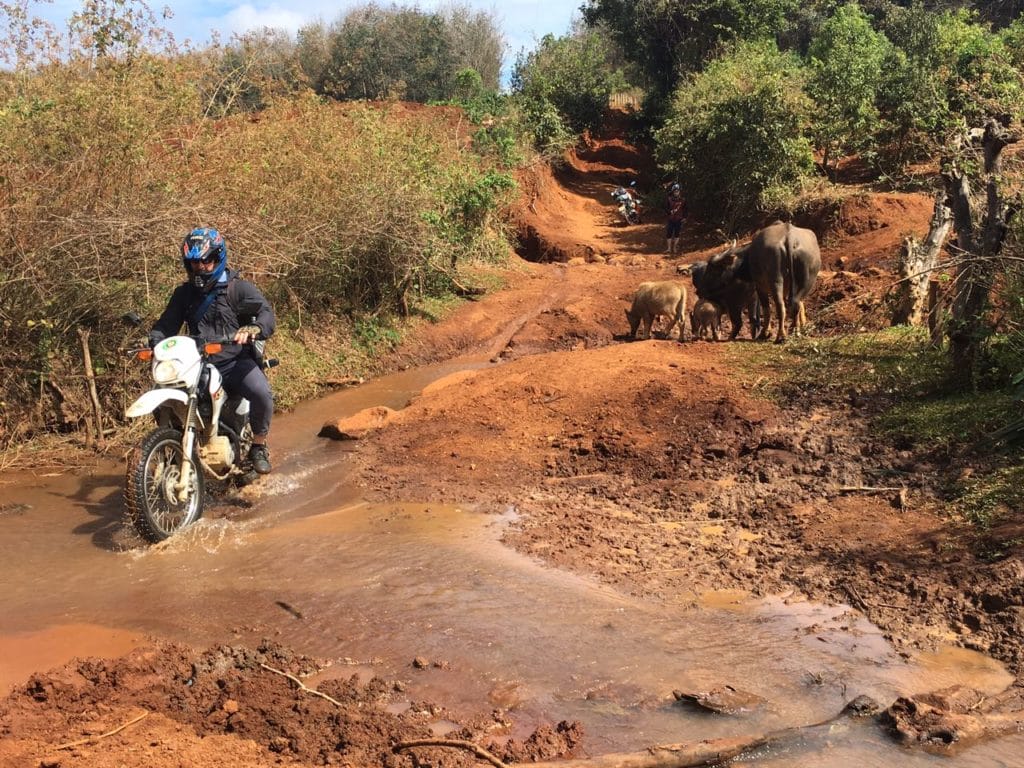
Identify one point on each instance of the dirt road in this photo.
(615, 450)
(658, 467)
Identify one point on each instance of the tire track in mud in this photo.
(504, 339)
(895, 559)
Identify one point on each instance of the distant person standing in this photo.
(675, 207)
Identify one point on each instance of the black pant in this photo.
(244, 377)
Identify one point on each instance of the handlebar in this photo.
(199, 340)
(146, 350)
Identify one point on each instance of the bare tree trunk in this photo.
(935, 308)
(968, 328)
(916, 263)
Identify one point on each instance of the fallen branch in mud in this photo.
(463, 291)
(707, 752)
(302, 685)
(953, 718)
(869, 489)
(91, 739)
(469, 746)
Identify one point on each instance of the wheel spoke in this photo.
(161, 475)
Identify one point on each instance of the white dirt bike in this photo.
(201, 432)
(628, 206)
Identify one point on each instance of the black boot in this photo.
(259, 455)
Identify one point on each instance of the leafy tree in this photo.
(945, 68)
(400, 51)
(805, 24)
(669, 39)
(981, 79)
(313, 51)
(477, 42)
(911, 101)
(115, 30)
(570, 73)
(252, 70)
(846, 61)
(735, 135)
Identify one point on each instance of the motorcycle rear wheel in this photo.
(154, 468)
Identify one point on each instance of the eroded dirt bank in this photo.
(228, 706)
(658, 467)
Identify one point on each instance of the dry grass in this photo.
(342, 216)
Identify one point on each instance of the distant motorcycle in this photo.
(628, 206)
(201, 432)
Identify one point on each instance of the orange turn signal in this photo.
(213, 349)
(145, 354)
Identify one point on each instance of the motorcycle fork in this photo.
(188, 444)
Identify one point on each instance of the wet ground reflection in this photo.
(375, 587)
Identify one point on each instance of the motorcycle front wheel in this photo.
(152, 504)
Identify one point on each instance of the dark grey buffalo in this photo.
(781, 262)
(738, 297)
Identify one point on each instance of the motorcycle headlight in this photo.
(166, 371)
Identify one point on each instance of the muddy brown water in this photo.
(373, 587)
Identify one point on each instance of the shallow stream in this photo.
(374, 587)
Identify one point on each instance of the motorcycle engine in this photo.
(218, 453)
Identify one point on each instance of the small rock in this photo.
(358, 426)
(420, 663)
(230, 706)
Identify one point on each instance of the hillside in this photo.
(606, 447)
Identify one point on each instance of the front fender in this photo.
(152, 400)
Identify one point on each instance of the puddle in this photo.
(378, 588)
(24, 652)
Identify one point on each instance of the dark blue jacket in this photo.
(221, 319)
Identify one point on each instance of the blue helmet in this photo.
(203, 245)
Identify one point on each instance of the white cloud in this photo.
(246, 17)
(523, 22)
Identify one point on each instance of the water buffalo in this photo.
(737, 297)
(781, 262)
(706, 319)
(658, 298)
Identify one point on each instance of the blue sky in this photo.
(523, 21)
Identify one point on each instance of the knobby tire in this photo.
(148, 509)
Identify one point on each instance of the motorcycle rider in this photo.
(675, 208)
(629, 202)
(634, 193)
(209, 302)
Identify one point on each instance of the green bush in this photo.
(570, 74)
(501, 141)
(668, 40)
(735, 134)
(845, 61)
(944, 69)
(404, 52)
